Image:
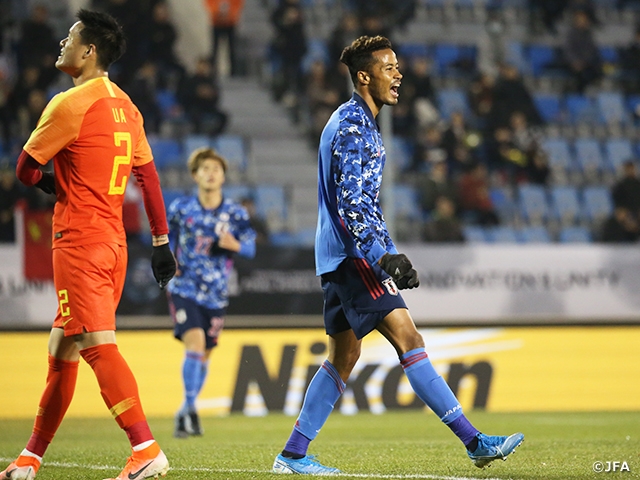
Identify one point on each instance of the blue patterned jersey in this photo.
(350, 162)
(202, 276)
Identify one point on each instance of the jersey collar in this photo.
(358, 99)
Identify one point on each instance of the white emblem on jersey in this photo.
(390, 285)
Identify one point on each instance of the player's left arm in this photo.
(244, 241)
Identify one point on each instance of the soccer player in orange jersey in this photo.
(95, 136)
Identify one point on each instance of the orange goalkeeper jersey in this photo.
(95, 135)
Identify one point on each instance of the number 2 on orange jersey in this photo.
(118, 185)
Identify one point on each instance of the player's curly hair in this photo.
(103, 31)
(358, 56)
(201, 154)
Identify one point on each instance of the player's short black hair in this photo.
(103, 31)
(359, 55)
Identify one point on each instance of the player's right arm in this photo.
(353, 205)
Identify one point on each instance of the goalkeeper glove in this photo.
(410, 280)
(47, 183)
(397, 265)
(163, 264)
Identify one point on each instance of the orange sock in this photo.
(55, 400)
(119, 390)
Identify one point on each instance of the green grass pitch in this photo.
(395, 445)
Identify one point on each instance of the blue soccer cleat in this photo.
(493, 447)
(307, 465)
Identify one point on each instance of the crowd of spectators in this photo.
(460, 155)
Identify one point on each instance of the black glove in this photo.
(47, 183)
(396, 265)
(163, 264)
(410, 280)
(215, 249)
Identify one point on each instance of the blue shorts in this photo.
(358, 296)
(187, 314)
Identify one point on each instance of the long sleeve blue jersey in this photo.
(203, 277)
(351, 158)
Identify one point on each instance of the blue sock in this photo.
(204, 369)
(191, 373)
(323, 393)
(434, 391)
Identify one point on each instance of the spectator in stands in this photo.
(510, 95)
(258, 224)
(38, 44)
(428, 149)
(581, 52)
(135, 18)
(549, 12)
(290, 45)
(225, 16)
(10, 195)
(630, 64)
(162, 39)
(200, 97)
(417, 82)
(444, 226)
(626, 192)
(505, 157)
(481, 98)
(475, 201)
(323, 95)
(493, 48)
(347, 30)
(459, 142)
(142, 91)
(620, 227)
(538, 168)
(437, 183)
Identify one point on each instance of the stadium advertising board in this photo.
(259, 371)
(484, 284)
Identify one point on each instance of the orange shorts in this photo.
(89, 280)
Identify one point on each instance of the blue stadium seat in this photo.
(608, 53)
(170, 194)
(598, 204)
(532, 234)
(167, 102)
(402, 153)
(306, 237)
(413, 50)
(474, 234)
(589, 155)
(502, 234)
(618, 151)
(283, 239)
(574, 235)
(565, 204)
(444, 55)
(581, 109)
(316, 50)
(503, 203)
(549, 107)
(452, 100)
(611, 107)
(271, 203)
(539, 57)
(237, 191)
(633, 106)
(166, 152)
(533, 203)
(559, 153)
(406, 202)
(516, 55)
(193, 141)
(232, 148)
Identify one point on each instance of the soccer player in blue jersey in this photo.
(362, 271)
(205, 231)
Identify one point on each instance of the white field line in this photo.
(239, 470)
